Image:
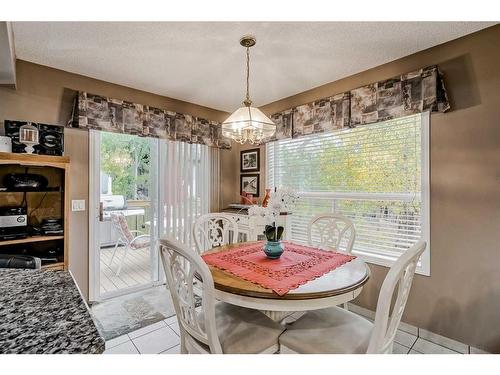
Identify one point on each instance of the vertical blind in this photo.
(371, 174)
(186, 172)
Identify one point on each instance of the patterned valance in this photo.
(119, 116)
(408, 94)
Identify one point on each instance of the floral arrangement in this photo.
(281, 200)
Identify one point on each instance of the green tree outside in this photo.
(127, 160)
(379, 158)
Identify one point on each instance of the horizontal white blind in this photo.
(184, 194)
(371, 174)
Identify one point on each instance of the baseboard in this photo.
(443, 341)
(423, 333)
(361, 311)
(473, 350)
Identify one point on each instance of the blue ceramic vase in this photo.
(273, 249)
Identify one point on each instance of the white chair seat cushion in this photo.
(328, 331)
(244, 331)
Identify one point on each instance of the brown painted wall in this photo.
(461, 298)
(230, 173)
(46, 95)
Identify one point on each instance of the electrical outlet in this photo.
(78, 205)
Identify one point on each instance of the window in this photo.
(377, 175)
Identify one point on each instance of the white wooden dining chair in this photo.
(213, 327)
(331, 231)
(213, 230)
(337, 331)
(128, 238)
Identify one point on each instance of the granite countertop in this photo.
(43, 312)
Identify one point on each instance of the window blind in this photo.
(186, 171)
(371, 174)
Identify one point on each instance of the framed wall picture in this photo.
(249, 183)
(250, 160)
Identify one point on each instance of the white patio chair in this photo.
(331, 232)
(214, 327)
(337, 331)
(213, 230)
(126, 237)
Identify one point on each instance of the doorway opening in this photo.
(124, 202)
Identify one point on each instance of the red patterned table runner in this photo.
(297, 265)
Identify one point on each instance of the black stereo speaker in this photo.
(50, 138)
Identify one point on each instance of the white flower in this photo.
(256, 211)
(269, 219)
(275, 205)
(280, 200)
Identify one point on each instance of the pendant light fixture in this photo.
(248, 124)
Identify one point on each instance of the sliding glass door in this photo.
(142, 188)
(124, 201)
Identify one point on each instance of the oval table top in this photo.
(343, 279)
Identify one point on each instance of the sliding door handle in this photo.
(101, 211)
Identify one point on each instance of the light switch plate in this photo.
(78, 205)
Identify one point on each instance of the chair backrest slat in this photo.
(213, 230)
(387, 321)
(331, 231)
(191, 284)
(121, 227)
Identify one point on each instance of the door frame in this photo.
(94, 196)
(94, 234)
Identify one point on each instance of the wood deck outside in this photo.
(135, 271)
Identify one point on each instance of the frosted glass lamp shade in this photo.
(248, 124)
(28, 134)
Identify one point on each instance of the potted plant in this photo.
(280, 201)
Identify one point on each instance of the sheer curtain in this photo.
(188, 184)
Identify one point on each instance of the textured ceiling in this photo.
(203, 63)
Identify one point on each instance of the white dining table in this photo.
(336, 287)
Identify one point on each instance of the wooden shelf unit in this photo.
(30, 240)
(33, 159)
(47, 190)
(54, 168)
(54, 266)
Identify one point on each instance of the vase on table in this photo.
(266, 198)
(273, 248)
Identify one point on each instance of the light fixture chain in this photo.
(248, 75)
(248, 124)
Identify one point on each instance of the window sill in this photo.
(388, 261)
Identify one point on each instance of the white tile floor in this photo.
(408, 343)
(163, 337)
(427, 347)
(413, 340)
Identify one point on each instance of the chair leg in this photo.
(123, 261)
(183, 341)
(114, 253)
(183, 345)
